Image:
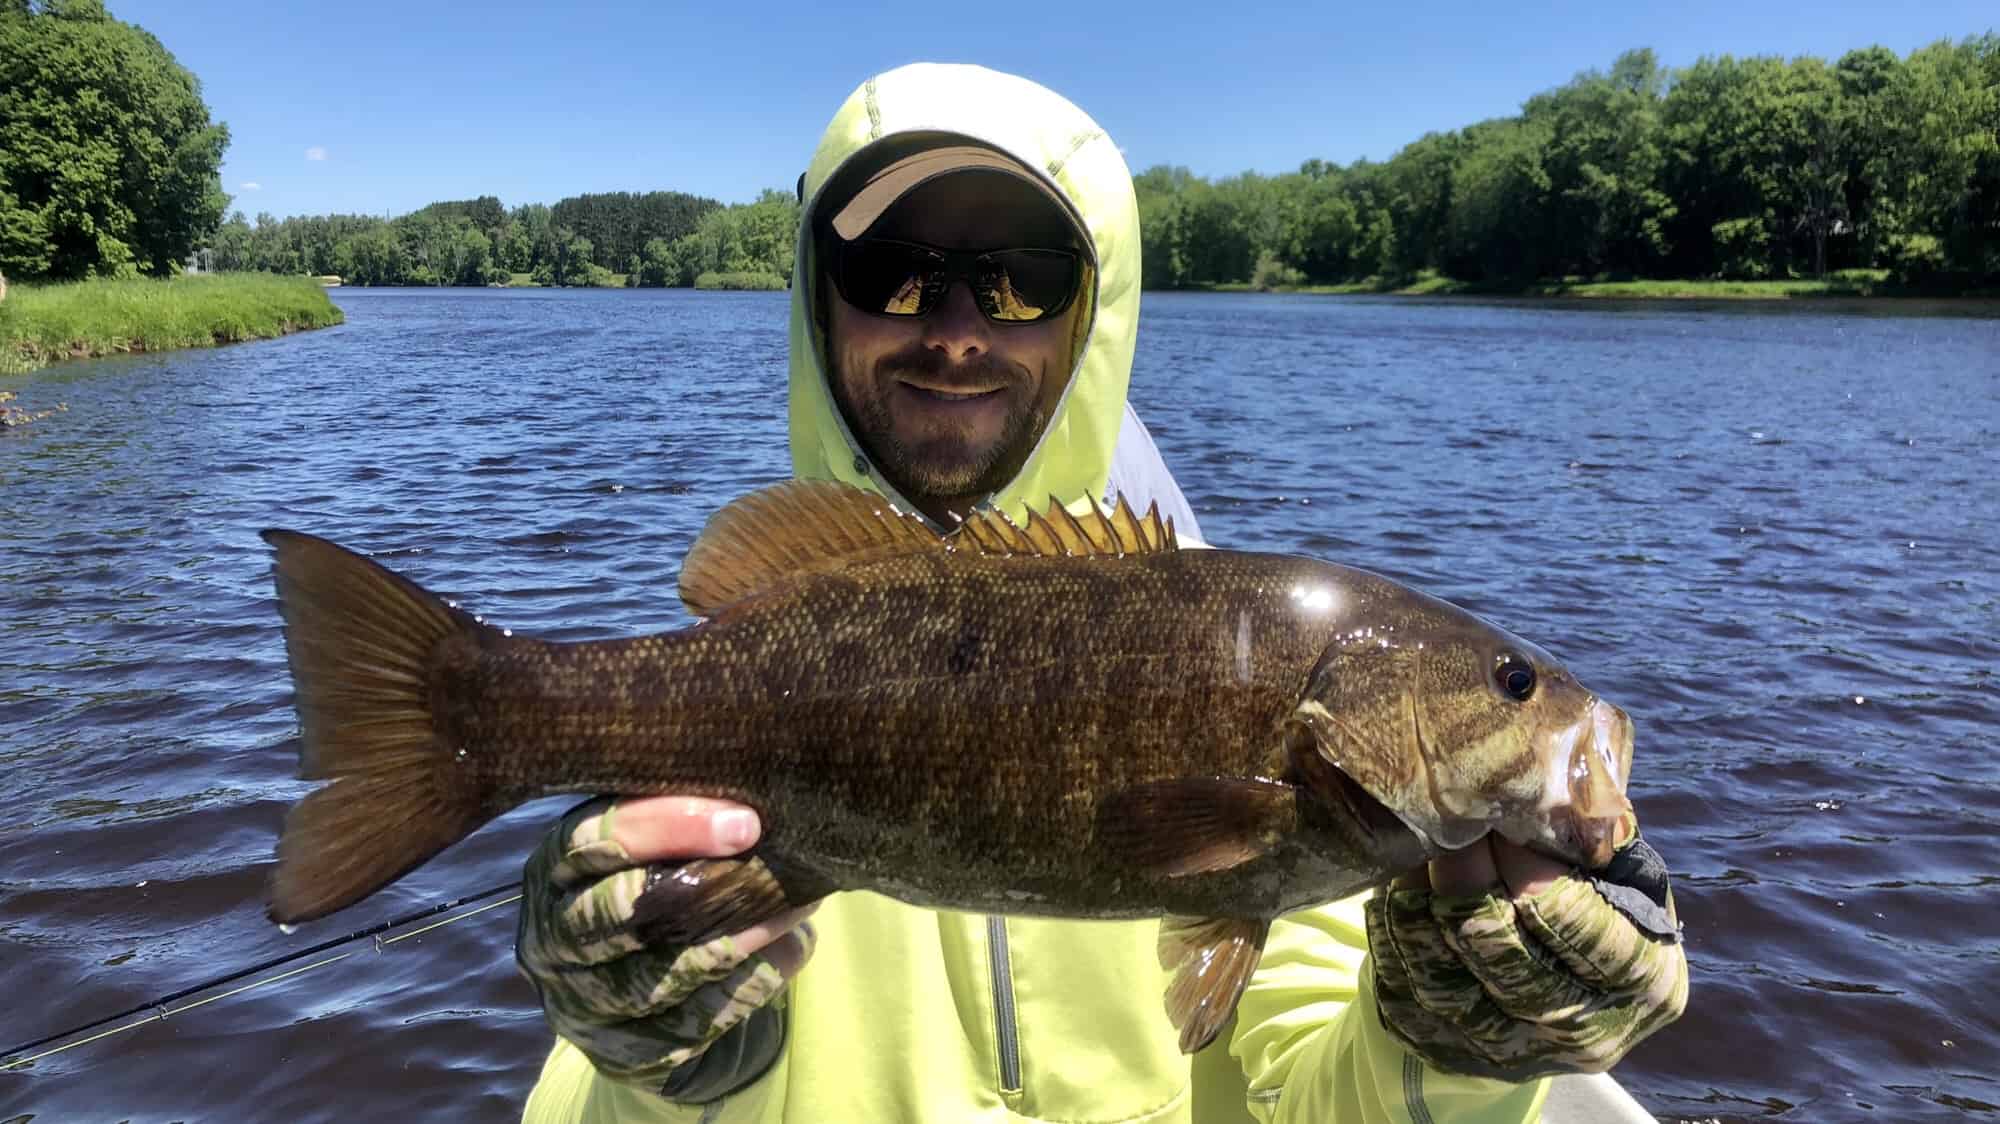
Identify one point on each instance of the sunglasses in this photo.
(892, 278)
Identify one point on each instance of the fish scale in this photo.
(1070, 718)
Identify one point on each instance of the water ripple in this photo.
(1727, 519)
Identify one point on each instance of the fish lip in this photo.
(1611, 730)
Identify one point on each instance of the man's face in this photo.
(950, 404)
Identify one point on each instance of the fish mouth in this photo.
(1584, 803)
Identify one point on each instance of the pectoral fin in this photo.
(698, 901)
(1212, 958)
(1196, 826)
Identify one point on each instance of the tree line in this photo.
(1748, 168)
(1731, 168)
(655, 238)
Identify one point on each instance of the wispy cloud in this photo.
(250, 185)
(315, 153)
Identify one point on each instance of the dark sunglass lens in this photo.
(887, 278)
(1023, 286)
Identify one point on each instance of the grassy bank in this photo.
(759, 282)
(602, 281)
(744, 282)
(40, 324)
(1845, 283)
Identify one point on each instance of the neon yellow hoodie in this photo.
(905, 1014)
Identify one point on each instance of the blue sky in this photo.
(373, 107)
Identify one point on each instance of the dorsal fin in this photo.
(1056, 533)
(793, 528)
(813, 526)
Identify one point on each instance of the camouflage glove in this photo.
(1566, 979)
(642, 1012)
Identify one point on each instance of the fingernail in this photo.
(735, 829)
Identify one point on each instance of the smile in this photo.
(943, 395)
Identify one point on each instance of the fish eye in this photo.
(1515, 676)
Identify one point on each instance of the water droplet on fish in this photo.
(288, 930)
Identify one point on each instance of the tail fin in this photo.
(364, 644)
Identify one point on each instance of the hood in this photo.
(1057, 142)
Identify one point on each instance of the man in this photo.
(962, 331)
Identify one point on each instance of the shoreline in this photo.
(1851, 286)
(45, 324)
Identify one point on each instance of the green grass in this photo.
(40, 324)
(599, 279)
(1843, 283)
(753, 282)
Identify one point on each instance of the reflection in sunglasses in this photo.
(908, 300)
(1010, 286)
(1006, 305)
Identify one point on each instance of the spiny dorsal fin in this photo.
(789, 529)
(1056, 533)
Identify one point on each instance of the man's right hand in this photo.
(640, 1011)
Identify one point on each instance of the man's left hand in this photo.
(1497, 962)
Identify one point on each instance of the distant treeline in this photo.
(656, 238)
(1736, 168)
(1733, 168)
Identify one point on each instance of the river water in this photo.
(1769, 532)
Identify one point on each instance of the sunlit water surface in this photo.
(1770, 532)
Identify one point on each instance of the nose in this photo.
(956, 327)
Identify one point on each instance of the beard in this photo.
(944, 460)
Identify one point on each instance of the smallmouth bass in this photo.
(1071, 718)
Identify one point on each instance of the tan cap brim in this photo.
(902, 176)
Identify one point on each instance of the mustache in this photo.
(936, 369)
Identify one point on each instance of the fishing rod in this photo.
(158, 1007)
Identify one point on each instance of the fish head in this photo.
(1459, 728)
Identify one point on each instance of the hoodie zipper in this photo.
(1006, 1034)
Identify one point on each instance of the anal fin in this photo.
(1212, 959)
